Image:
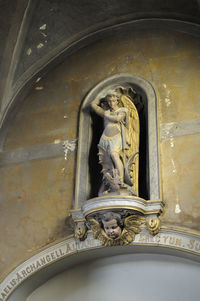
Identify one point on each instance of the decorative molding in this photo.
(177, 242)
(82, 186)
(37, 152)
(179, 129)
(126, 202)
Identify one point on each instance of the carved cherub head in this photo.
(112, 224)
(115, 229)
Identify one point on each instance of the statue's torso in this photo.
(112, 128)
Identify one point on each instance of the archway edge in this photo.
(65, 254)
(98, 91)
(26, 81)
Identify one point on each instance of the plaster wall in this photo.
(36, 195)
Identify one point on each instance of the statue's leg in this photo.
(118, 164)
(107, 167)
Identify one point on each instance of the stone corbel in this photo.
(134, 212)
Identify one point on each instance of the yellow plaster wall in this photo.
(180, 179)
(37, 195)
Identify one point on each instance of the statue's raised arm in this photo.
(119, 143)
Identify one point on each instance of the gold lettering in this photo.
(43, 261)
(191, 244)
(53, 256)
(165, 238)
(179, 242)
(48, 258)
(172, 240)
(197, 247)
(38, 265)
(19, 278)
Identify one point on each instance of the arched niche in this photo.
(87, 172)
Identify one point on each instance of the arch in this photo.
(44, 265)
(22, 86)
(145, 89)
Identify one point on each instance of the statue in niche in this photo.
(114, 229)
(117, 215)
(119, 143)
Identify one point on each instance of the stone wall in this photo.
(37, 180)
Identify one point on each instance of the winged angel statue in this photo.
(119, 143)
(114, 222)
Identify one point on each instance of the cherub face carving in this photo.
(112, 228)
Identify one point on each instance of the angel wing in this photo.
(98, 232)
(132, 226)
(133, 223)
(131, 154)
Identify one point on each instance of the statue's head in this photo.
(113, 100)
(112, 224)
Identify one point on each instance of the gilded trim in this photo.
(168, 238)
(120, 207)
(121, 197)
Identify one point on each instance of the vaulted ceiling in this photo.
(36, 35)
